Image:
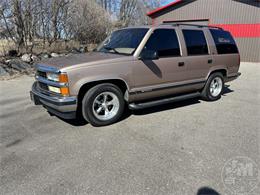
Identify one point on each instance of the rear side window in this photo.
(165, 42)
(224, 42)
(196, 42)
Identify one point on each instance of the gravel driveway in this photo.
(179, 148)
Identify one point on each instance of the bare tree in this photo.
(129, 12)
(110, 6)
(142, 7)
(4, 19)
(19, 21)
(26, 22)
(90, 23)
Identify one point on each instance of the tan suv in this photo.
(138, 67)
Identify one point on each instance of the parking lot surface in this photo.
(179, 148)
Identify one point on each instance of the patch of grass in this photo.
(59, 46)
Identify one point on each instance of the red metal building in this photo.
(240, 17)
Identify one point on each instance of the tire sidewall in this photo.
(89, 98)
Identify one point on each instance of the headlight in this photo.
(62, 78)
(54, 89)
(53, 77)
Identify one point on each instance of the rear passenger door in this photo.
(198, 60)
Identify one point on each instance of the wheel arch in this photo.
(221, 70)
(88, 85)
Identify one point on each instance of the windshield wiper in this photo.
(111, 48)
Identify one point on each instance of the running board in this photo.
(134, 106)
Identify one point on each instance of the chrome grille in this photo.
(42, 86)
(42, 74)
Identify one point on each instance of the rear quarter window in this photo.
(224, 42)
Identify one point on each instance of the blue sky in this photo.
(168, 1)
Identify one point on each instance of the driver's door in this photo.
(169, 68)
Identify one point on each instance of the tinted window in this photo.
(224, 42)
(165, 42)
(196, 42)
(123, 41)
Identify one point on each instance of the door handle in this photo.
(181, 64)
(210, 61)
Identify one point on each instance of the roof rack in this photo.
(196, 25)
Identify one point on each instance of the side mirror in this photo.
(149, 55)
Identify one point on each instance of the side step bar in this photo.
(134, 106)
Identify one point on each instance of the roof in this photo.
(177, 2)
(163, 7)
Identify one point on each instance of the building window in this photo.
(224, 42)
(165, 42)
(196, 42)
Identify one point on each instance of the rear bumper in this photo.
(232, 77)
(64, 107)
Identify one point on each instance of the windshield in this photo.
(123, 41)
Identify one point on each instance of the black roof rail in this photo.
(196, 25)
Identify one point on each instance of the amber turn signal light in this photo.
(64, 91)
(63, 78)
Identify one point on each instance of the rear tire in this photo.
(213, 89)
(103, 104)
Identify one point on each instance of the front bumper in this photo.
(64, 107)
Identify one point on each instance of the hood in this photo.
(86, 59)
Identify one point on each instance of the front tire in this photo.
(213, 89)
(103, 104)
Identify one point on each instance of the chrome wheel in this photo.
(216, 86)
(105, 106)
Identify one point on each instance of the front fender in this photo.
(77, 85)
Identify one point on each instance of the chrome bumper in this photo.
(65, 107)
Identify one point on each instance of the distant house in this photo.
(240, 17)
